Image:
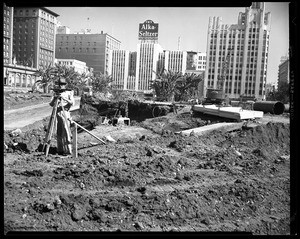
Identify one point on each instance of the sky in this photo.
(189, 24)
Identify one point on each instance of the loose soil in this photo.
(151, 179)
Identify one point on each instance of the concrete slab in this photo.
(230, 112)
(209, 128)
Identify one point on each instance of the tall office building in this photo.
(175, 61)
(119, 68)
(147, 62)
(7, 34)
(34, 36)
(249, 40)
(283, 71)
(90, 48)
(122, 69)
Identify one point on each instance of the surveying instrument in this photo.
(52, 122)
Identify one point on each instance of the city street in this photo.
(19, 118)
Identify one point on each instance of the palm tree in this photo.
(46, 74)
(82, 81)
(165, 84)
(187, 86)
(102, 83)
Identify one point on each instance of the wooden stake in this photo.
(75, 149)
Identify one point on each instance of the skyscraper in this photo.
(7, 34)
(249, 41)
(147, 61)
(119, 70)
(34, 36)
(175, 61)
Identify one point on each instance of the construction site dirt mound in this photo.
(15, 100)
(234, 181)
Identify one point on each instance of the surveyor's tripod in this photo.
(51, 125)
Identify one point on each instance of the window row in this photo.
(6, 33)
(78, 50)
(6, 12)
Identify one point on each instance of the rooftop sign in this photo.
(148, 30)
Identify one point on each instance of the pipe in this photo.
(273, 107)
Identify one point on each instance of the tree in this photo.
(46, 74)
(101, 83)
(174, 85)
(50, 74)
(165, 84)
(82, 81)
(187, 86)
(282, 94)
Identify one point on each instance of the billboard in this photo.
(191, 62)
(148, 30)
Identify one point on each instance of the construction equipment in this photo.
(217, 95)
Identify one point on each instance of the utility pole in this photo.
(179, 43)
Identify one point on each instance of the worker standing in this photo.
(66, 100)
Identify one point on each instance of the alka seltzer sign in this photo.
(148, 30)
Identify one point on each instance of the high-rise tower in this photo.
(147, 62)
(7, 33)
(34, 36)
(247, 66)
